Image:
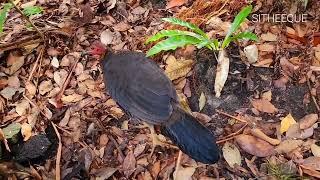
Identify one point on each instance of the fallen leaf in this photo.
(268, 37)
(45, 86)
(315, 149)
(308, 121)
(177, 68)
(14, 63)
(254, 146)
(287, 146)
(312, 162)
(103, 140)
(122, 26)
(222, 72)
(30, 89)
(175, 3)
(55, 62)
(8, 92)
(267, 95)
(11, 130)
(286, 123)
(259, 134)
(263, 105)
(231, 154)
(60, 76)
(26, 131)
(72, 98)
(13, 81)
(129, 164)
(266, 47)
(202, 101)
(251, 53)
(22, 107)
(139, 150)
(106, 37)
(105, 173)
(184, 173)
(310, 171)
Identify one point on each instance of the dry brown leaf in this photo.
(129, 164)
(254, 146)
(45, 86)
(315, 149)
(177, 68)
(175, 3)
(310, 171)
(103, 140)
(308, 121)
(184, 173)
(121, 27)
(26, 131)
(60, 76)
(13, 81)
(14, 63)
(65, 120)
(266, 47)
(267, 95)
(312, 162)
(72, 98)
(139, 149)
(30, 89)
(202, 101)
(268, 37)
(287, 146)
(231, 154)
(263, 105)
(22, 107)
(117, 112)
(259, 134)
(8, 92)
(156, 169)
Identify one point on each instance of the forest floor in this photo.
(59, 122)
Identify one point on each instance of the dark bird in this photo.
(142, 90)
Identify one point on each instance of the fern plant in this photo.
(196, 36)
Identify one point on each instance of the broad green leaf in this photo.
(172, 43)
(32, 10)
(11, 130)
(241, 16)
(191, 26)
(171, 33)
(246, 35)
(3, 14)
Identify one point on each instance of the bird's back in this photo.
(139, 86)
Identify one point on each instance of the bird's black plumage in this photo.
(143, 90)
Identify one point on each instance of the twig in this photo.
(36, 63)
(234, 117)
(178, 165)
(26, 18)
(232, 135)
(313, 98)
(19, 44)
(66, 82)
(58, 175)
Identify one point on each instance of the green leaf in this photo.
(246, 35)
(171, 33)
(172, 43)
(32, 10)
(3, 14)
(241, 16)
(11, 130)
(191, 26)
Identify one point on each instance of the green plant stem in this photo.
(27, 19)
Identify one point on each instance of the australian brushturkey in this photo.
(142, 90)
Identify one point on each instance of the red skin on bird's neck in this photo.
(98, 49)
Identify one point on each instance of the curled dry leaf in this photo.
(26, 131)
(177, 68)
(263, 105)
(72, 98)
(308, 121)
(315, 149)
(231, 154)
(286, 122)
(222, 72)
(45, 86)
(254, 146)
(22, 107)
(287, 146)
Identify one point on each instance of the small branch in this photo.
(36, 63)
(234, 117)
(233, 135)
(27, 19)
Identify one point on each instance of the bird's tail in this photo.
(193, 138)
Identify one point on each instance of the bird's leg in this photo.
(155, 140)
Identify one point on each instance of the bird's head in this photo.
(98, 50)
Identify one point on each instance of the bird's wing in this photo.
(140, 87)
